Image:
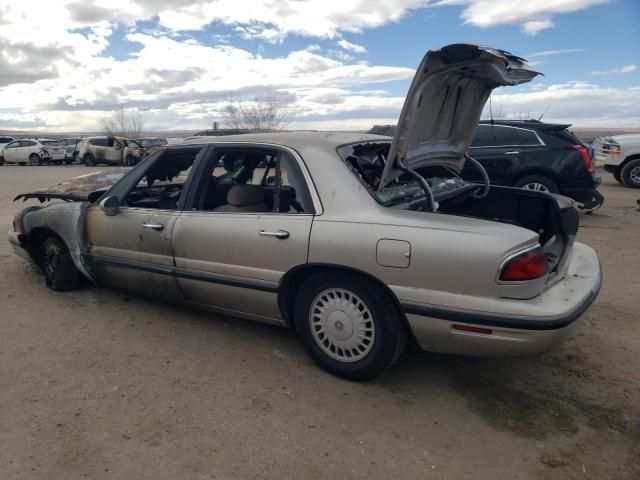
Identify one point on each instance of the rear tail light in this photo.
(586, 156)
(528, 265)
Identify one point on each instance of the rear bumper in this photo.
(588, 197)
(517, 327)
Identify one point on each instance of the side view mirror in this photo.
(110, 205)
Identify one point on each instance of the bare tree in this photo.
(126, 123)
(262, 114)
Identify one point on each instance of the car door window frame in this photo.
(309, 190)
(519, 144)
(127, 183)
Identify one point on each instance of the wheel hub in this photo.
(342, 325)
(634, 175)
(538, 187)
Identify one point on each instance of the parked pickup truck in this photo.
(620, 155)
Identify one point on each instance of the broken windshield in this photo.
(367, 162)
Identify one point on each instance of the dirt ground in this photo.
(99, 384)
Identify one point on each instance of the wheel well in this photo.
(36, 237)
(630, 158)
(543, 173)
(293, 279)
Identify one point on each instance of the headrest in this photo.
(241, 195)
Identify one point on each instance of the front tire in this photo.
(59, 270)
(35, 160)
(538, 183)
(630, 174)
(349, 325)
(89, 160)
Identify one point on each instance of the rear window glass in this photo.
(100, 142)
(505, 135)
(527, 137)
(483, 137)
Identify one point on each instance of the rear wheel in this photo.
(89, 160)
(349, 325)
(35, 160)
(59, 270)
(630, 174)
(538, 183)
(1, 160)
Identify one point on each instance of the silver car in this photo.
(357, 242)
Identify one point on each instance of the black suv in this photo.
(534, 155)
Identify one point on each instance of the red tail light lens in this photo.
(526, 266)
(586, 156)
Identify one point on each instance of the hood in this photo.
(444, 104)
(80, 188)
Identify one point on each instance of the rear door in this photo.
(230, 254)
(498, 149)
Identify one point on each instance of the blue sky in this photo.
(334, 65)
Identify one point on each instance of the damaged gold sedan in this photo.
(357, 242)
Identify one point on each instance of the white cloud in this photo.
(616, 71)
(352, 47)
(546, 53)
(580, 103)
(533, 27)
(533, 15)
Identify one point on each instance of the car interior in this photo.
(251, 181)
(246, 180)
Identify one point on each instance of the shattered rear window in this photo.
(367, 162)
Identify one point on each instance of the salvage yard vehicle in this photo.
(33, 151)
(620, 155)
(534, 155)
(354, 241)
(71, 149)
(110, 151)
(151, 144)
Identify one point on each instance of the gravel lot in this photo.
(99, 384)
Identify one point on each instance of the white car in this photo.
(33, 151)
(620, 155)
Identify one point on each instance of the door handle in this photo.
(513, 152)
(281, 234)
(153, 226)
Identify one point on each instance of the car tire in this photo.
(68, 162)
(89, 160)
(331, 308)
(35, 160)
(537, 183)
(616, 175)
(1, 160)
(59, 270)
(630, 174)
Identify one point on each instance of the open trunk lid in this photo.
(78, 189)
(444, 104)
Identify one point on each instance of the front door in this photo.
(249, 225)
(133, 249)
